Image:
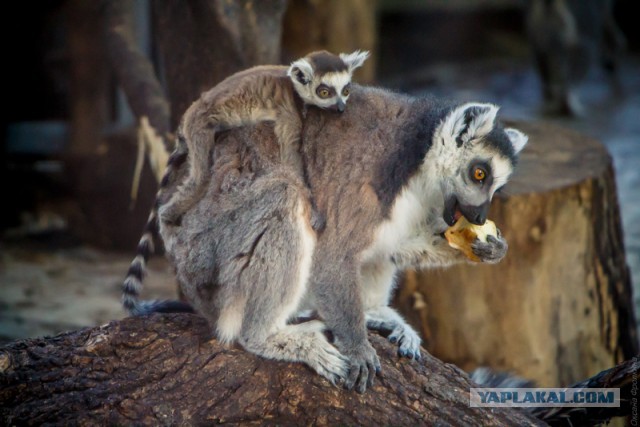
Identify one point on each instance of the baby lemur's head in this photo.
(324, 79)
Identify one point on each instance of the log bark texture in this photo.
(558, 308)
(167, 370)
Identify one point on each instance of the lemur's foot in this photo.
(408, 341)
(387, 320)
(364, 365)
(327, 361)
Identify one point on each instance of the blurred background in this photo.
(91, 82)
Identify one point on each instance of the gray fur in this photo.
(263, 93)
(248, 260)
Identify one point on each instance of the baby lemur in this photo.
(262, 93)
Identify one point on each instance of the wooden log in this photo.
(558, 308)
(624, 377)
(166, 370)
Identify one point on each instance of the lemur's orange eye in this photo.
(345, 91)
(479, 174)
(324, 93)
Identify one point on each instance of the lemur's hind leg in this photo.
(304, 342)
(378, 280)
(259, 301)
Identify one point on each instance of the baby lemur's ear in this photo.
(354, 60)
(301, 71)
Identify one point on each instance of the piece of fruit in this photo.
(462, 234)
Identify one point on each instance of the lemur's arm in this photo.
(424, 253)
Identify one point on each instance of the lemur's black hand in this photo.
(492, 251)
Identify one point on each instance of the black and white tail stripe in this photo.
(133, 282)
(137, 270)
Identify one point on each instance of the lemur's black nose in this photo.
(480, 219)
(476, 214)
(341, 105)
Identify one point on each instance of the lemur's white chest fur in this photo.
(415, 221)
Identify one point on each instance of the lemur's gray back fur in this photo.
(254, 95)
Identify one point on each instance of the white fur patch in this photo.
(517, 138)
(378, 280)
(229, 322)
(355, 59)
(481, 124)
(415, 217)
(307, 247)
(336, 79)
(304, 66)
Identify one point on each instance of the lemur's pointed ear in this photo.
(517, 138)
(354, 60)
(301, 71)
(470, 121)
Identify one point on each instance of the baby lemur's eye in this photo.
(324, 91)
(345, 91)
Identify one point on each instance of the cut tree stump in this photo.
(558, 308)
(167, 370)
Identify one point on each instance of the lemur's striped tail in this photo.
(137, 270)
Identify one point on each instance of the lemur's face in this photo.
(475, 159)
(324, 80)
(330, 91)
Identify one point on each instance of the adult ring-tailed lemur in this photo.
(389, 175)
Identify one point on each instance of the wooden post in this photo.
(558, 308)
(90, 91)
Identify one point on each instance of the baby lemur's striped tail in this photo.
(137, 270)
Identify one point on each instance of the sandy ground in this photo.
(44, 291)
